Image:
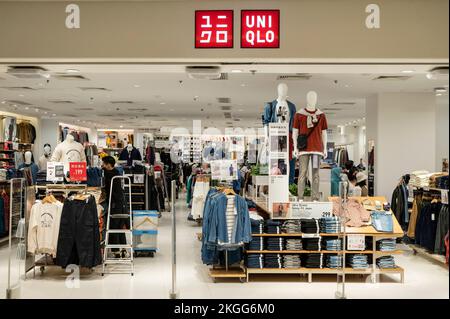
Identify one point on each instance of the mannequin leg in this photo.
(315, 195)
(304, 163)
(291, 171)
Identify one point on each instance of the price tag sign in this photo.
(316, 210)
(77, 171)
(55, 171)
(410, 193)
(138, 179)
(444, 196)
(356, 242)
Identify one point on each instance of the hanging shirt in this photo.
(43, 229)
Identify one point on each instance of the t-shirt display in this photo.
(311, 124)
(67, 152)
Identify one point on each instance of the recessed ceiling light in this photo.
(27, 108)
(46, 75)
(121, 126)
(243, 84)
(53, 114)
(72, 71)
(162, 103)
(21, 95)
(439, 94)
(3, 102)
(347, 85)
(78, 120)
(236, 71)
(36, 109)
(137, 85)
(440, 90)
(407, 71)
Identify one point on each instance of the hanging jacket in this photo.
(26, 132)
(134, 155)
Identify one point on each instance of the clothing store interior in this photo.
(287, 177)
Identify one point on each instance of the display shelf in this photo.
(309, 252)
(296, 235)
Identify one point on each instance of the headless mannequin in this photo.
(45, 157)
(29, 164)
(28, 156)
(306, 156)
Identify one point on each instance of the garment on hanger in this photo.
(10, 128)
(43, 228)
(34, 170)
(130, 156)
(200, 192)
(26, 132)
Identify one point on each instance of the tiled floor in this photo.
(152, 278)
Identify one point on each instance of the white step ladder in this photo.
(127, 232)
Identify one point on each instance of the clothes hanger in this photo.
(146, 219)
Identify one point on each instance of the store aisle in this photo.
(152, 277)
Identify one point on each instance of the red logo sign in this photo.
(77, 171)
(260, 28)
(214, 29)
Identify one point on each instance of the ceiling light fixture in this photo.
(27, 108)
(137, 86)
(121, 126)
(3, 102)
(53, 114)
(36, 109)
(440, 90)
(21, 95)
(439, 94)
(45, 112)
(162, 103)
(243, 84)
(72, 71)
(236, 71)
(407, 71)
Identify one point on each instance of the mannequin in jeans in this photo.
(310, 156)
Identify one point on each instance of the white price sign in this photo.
(311, 209)
(55, 171)
(356, 242)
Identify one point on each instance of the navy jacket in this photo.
(270, 113)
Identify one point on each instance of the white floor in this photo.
(152, 278)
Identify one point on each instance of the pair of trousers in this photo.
(304, 165)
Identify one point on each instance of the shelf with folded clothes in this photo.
(296, 235)
(309, 252)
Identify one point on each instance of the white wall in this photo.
(403, 127)
(49, 134)
(442, 130)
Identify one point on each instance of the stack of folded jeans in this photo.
(257, 226)
(310, 226)
(291, 261)
(255, 261)
(334, 261)
(275, 243)
(273, 226)
(382, 221)
(358, 261)
(387, 244)
(294, 244)
(333, 244)
(386, 262)
(330, 225)
(313, 260)
(292, 227)
(257, 243)
(273, 261)
(312, 243)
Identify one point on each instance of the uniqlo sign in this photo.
(260, 28)
(214, 29)
(77, 171)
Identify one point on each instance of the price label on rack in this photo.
(356, 242)
(55, 171)
(444, 196)
(77, 171)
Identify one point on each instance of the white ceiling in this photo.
(163, 95)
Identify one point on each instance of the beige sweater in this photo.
(43, 229)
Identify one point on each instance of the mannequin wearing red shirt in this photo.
(312, 122)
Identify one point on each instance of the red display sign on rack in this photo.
(78, 172)
(213, 29)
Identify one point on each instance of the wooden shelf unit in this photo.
(368, 231)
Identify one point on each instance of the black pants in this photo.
(79, 234)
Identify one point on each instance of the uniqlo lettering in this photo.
(260, 29)
(214, 29)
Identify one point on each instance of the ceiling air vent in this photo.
(28, 72)
(61, 102)
(223, 100)
(332, 109)
(294, 77)
(223, 76)
(137, 110)
(70, 115)
(17, 88)
(344, 103)
(17, 102)
(204, 72)
(225, 107)
(227, 115)
(122, 102)
(63, 76)
(88, 88)
(392, 78)
(85, 109)
(151, 115)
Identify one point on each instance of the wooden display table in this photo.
(368, 231)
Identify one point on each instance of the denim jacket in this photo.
(270, 113)
(215, 225)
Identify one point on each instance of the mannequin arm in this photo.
(294, 139)
(324, 141)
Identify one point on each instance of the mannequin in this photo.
(69, 151)
(29, 164)
(282, 110)
(130, 154)
(45, 157)
(311, 124)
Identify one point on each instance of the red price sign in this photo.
(214, 29)
(260, 28)
(77, 171)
